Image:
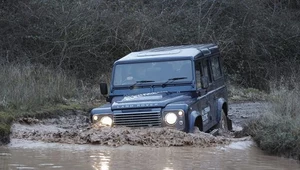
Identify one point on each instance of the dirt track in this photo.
(74, 128)
(240, 112)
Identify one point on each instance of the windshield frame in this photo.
(155, 83)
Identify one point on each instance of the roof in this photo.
(183, 51)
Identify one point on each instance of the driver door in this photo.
(203, 102)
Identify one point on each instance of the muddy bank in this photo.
(74, 128)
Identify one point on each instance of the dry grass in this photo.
(32, 87)
(29, 87)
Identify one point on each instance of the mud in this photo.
(157, 137)
(75, 128)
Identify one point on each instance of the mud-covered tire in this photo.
(223, 123)
(196, 129)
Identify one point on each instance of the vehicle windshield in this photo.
(152, 72)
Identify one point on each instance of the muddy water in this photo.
(21, 154)
(150, 148)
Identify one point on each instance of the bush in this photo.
(278, 131)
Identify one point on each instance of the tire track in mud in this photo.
(75, 129)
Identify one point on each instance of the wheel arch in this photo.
(199, 122)
(195, 120)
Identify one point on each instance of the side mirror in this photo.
(103, 89)
(204, 81)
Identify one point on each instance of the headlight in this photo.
(95, 117)
(106, 121)
(171, 118)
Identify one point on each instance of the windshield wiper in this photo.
(172, 79)
(140, 82)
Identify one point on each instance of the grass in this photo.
(278, 131)
(34, 89)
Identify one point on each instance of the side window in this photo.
(205, 69)
(202, 69)
(216, 69)
(198, 74)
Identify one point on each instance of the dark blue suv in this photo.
(180, 87)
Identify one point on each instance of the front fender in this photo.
(104, 109)
(192, 118)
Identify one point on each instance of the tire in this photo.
(196, 129)
(223, 123)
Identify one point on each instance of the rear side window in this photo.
(216, 69)
(202, 70)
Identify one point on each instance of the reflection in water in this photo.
(4, 157)
(169, 165)
(167, 168)
(35, 155)
(100, 161)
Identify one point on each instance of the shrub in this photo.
(278, 131)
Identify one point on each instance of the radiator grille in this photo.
(139, 119)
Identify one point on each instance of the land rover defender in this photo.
(180, 87)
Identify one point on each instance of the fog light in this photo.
(180, 122)
(106, 121)
(180, 113)
(171, 118)
(95, 117)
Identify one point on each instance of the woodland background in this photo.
(259, 39)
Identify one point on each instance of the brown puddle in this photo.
(22, 154)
